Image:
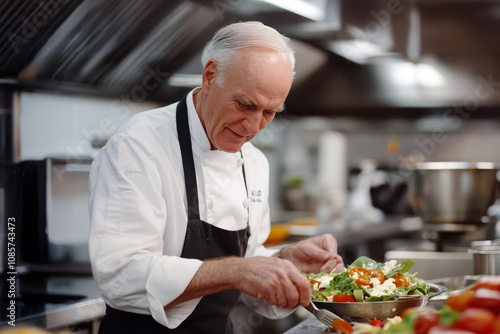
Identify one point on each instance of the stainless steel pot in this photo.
(452, 192)
(486, 257)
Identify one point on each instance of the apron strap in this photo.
(193, 210)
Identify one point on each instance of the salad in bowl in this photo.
(366, 280)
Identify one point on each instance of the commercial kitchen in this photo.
(389, 139)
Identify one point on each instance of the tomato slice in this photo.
(361, 275)
(313, 281)
(401, 280)
(378, 274)
(344, 298)
(342, 326)
(377, 323)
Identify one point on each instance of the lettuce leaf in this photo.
(365, 262)
(402, 268)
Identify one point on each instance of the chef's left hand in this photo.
(314, 255)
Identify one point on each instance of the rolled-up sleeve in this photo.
(128, 218)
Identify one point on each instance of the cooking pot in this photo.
(452, 192)
(486, 257)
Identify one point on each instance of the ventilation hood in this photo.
(354, 57)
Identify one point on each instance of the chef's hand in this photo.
(314, 255)
(275, 280)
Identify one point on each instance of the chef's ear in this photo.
(209, 77)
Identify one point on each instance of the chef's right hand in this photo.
(276, 280)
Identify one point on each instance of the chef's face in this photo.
(253, 91)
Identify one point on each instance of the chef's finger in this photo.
(329, 243)
(334, 264)
(283, 295)
(303, 287)
(339, 267)
(329, 266)
(292, 294)
(320, 255)
(289, 287)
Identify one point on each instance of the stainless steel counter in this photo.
(308, 326)
(352, 233)
(53, 301)
(356, 239)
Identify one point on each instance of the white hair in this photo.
(230, 39)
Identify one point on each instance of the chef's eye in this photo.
(270, 113)
(244, 106)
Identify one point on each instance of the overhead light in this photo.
(364, 47)
(404, 74)
(311, 9)
(185, 80)
(428, 76)
(358, 51)
(411, 74)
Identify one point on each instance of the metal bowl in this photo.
(452, 192)
(366, 311)
(453, 285)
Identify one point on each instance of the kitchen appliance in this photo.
(452, 199)
(49, 200)
(18, 182)
(452, 192)
(486, 257)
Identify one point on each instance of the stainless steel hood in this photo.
(354, 57)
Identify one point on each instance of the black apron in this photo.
(202, 241)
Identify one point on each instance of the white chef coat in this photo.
(138, 212)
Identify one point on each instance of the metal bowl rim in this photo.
(438, 289)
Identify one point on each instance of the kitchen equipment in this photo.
(360, 207)
(322, 315)
(332, 176)
(19, 181)
(453, 284)
(435, 265)
(49, 200)
(486, 257)
(452, 192)
(366, 311)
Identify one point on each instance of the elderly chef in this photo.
(179, 201)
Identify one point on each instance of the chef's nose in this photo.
(253, 123)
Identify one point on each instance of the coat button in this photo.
(210, 204)
(205, 162)
(246, 203)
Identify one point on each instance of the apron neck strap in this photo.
(184, 136)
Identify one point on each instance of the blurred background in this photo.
(382, 87)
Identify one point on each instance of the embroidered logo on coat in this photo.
(128, 172)
(255, 196)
